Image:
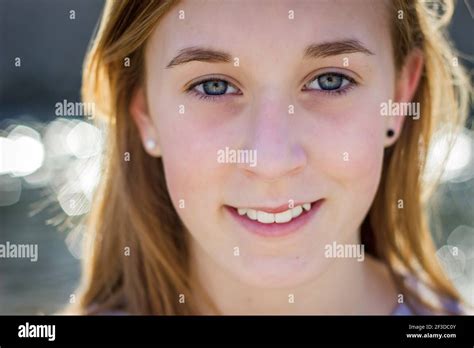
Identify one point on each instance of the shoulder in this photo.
(112, 313)
(433, 299)
(96, 310)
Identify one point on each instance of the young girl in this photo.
(266, 157)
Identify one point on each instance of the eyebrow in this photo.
(327, 49)
(199, 54)
(321, 50)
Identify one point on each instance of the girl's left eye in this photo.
(331, 83)
(212, 88)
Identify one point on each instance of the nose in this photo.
(273, 136)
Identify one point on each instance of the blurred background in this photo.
(50, 163)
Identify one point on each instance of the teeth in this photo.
(296, 211)
(286, 216)
(252, 214)
(279, 218)
(242, 211)
(265, 218)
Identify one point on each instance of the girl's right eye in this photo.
(212, 88)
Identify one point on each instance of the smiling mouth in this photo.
(275, 222)
(266, 217)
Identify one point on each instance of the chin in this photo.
(276, 273)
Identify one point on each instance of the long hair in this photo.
(138, 261)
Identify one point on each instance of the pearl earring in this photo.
(150, 144)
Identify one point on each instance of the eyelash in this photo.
(337, 92)
(204, 96)
(200, 95)
(341, 91)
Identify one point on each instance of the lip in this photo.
(274, 229)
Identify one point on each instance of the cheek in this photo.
(189, 144)
(188, 160)
(347, 149)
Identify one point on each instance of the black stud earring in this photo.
(390, 133)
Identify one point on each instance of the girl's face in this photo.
(299, 86)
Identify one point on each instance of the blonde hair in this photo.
(133, 209)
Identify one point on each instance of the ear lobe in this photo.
(139, 111)
(406, 86)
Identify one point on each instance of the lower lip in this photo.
(274, 229)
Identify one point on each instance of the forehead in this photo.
(260, 29)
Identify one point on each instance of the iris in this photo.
(330, 81)
(215, 87)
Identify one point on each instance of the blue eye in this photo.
(215, 87)
(331, 83)
(212, 88)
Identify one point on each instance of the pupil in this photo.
(330, 82)
(215, 87)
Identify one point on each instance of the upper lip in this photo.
(278, 209)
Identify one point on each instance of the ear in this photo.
(405, 87)
(139, 111)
